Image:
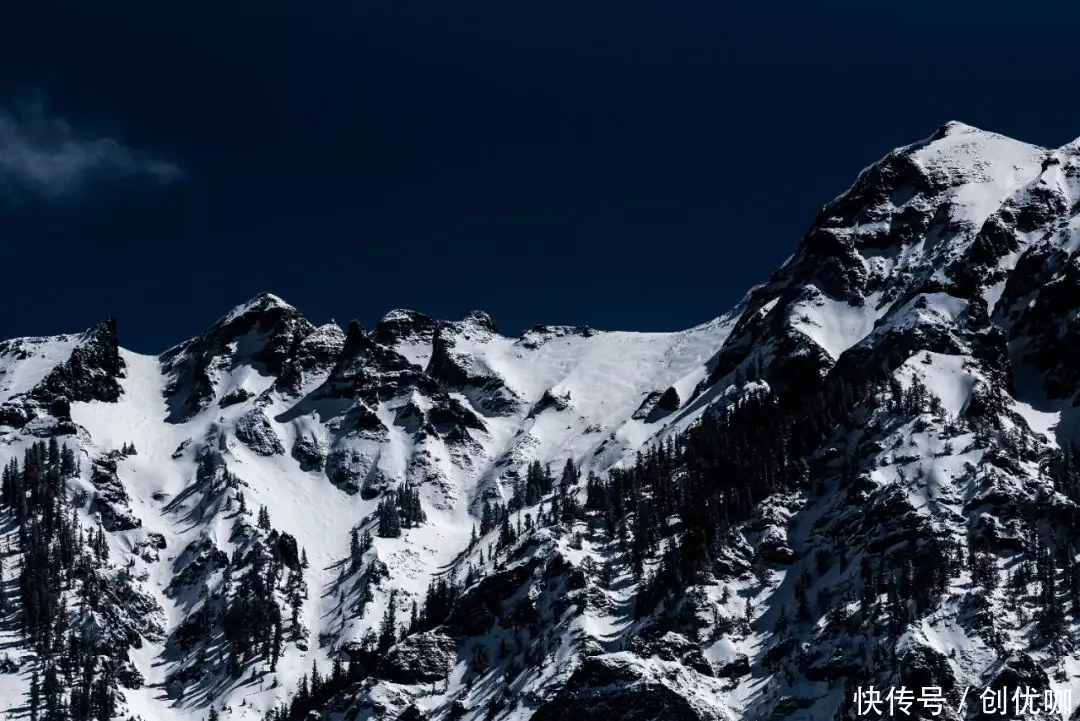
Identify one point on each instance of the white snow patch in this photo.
(834, 324)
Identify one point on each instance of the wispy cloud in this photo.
(46, 155)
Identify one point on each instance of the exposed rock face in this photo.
(669, 401)
(90, 374)
(310, 453)
(418, 659)
(287, 551)
(369, 370)
(254, 430)
(111, 500)
(199, 560)
(404, 326)
(113, 516)
(482, 606)
(103, 475)
(233, 397)
(646, 406)
(540, 334)
(557, 402)
(312, 358)
(672, 646)
(455, 364)
(657, 405)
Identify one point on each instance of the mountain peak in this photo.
(263, 333)
(399, 315)
(955, 127)
(262, 302)
(967, 148)
(481, 319)
(104, 331)
(355, 336)
(400, 324)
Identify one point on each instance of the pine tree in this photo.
(781, 623)
(984, 570)
(802, 599)
(264, 518)
(234, 665)
(337, 671)
(355, 554)
(276, 643)
(366, 596)
(389, 519)
(51, 691)
(569, 477)
(316, 679)
(103, 701)
(409, 506)
(388, 632)
(35, 695)
(506, 533)
(547, 481)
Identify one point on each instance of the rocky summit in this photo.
(863, 475)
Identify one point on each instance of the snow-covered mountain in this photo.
(862, 474)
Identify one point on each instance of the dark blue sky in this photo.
(631, 164)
